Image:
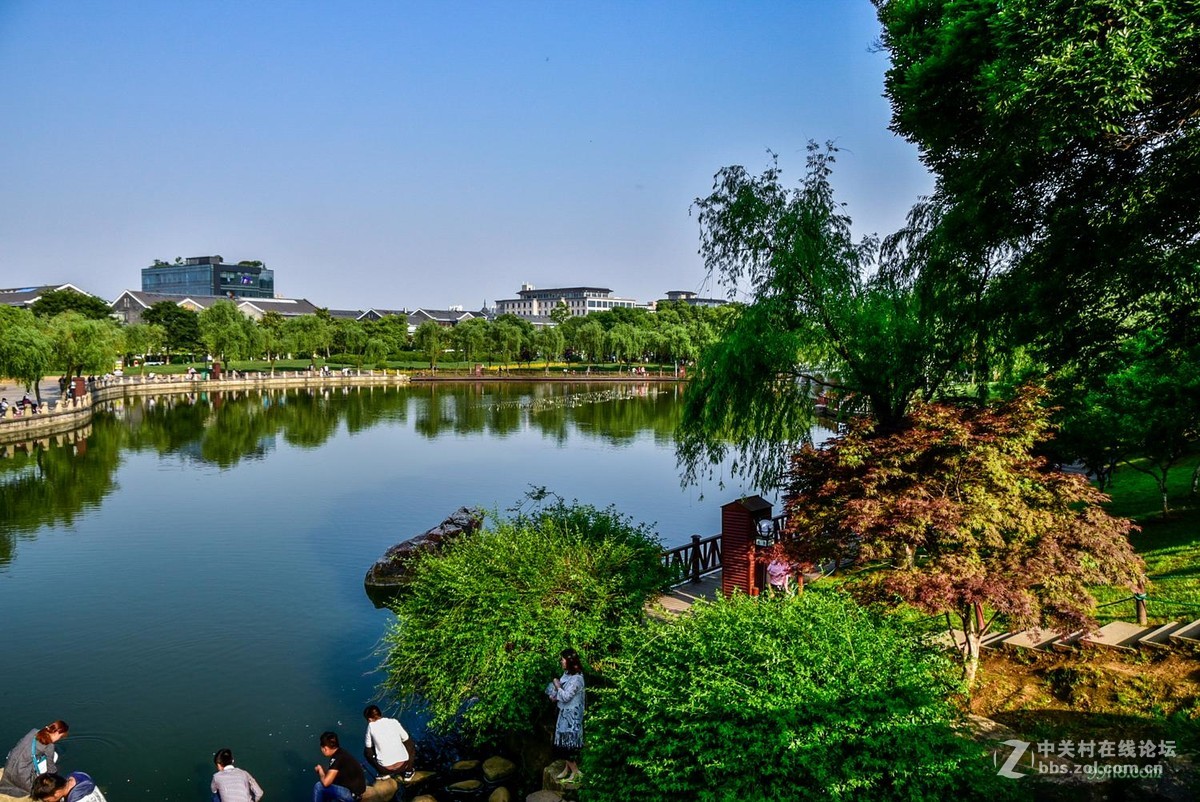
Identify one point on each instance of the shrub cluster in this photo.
(479, 627)
(809, 697)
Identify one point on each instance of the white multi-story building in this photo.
(533, 303)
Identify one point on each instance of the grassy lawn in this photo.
(1170, 546)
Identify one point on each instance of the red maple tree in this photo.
(958, 513)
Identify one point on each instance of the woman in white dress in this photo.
(568, 692)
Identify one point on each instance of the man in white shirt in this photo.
(389, 748)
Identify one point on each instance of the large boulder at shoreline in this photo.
(391, 570)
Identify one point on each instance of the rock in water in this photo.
(391, 570)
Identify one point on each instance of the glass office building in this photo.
(209, 275)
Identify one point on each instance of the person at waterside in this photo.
(231, 784)
(33, 755)
(75, 787)
(389, 749)
(568, 692)
(343, 779)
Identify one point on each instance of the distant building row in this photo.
(130, 305)
(199, 281)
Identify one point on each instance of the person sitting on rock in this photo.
(389, 749)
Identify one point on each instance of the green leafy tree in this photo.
(808, 697)
(273, 337)
(677, 344)
(470, 338)
(83, 344)
(959, 513)
(226, 332)
(144, 338)
(1144, 411)
(1063, 137)
(625, 341)
(591, 340)
(483, 621)
(391, 328)
(25, 350)
(507, 340)
(354, 337)
(550, 343)
(56, 302)
(431, 339)
(821, 316)
(560, 313)
(376, 352)
(309, 334)
(182, 325)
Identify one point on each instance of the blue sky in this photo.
(412, 154)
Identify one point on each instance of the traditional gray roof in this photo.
(288, 307)
(27, 296)
(375, 313)
(448, 316)
(345, 314)
(149, 299)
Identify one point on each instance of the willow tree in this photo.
(826, 313)
(25, 350)
(957, 514)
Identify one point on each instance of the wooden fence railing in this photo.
(690, 562)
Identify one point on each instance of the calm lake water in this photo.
(190, 577)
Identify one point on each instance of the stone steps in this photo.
(1117, 635)
(1120, 635)
(1187, 636)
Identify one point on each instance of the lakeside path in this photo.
(680, 598)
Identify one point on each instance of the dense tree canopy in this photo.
(1142, 408)
(25, 349)
(1065, 138)
(82, 344)
(181, 325)
(56, 302)
(227, 333)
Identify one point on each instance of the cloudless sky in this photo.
(406, 154)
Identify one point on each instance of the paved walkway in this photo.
(14, 390)
(681, 599)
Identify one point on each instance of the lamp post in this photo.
(766, 534)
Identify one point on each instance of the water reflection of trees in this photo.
(51, 484)
(44, 485)
(616, 413)
(223, 429)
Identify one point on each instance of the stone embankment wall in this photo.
(51, 417)
(63, 415)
